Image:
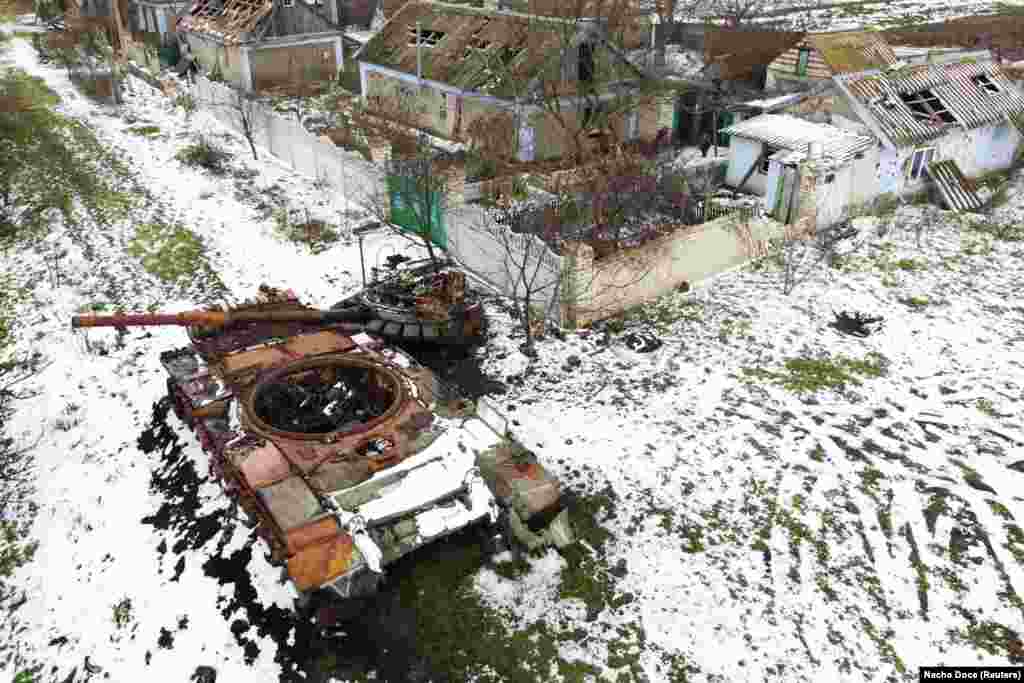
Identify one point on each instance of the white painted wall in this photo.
(743, 153)
(834, 199)
(771, 187)
(865, 185)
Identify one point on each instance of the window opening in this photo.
(427, 38)
(925, 106)
(985, 83)
(830, 178)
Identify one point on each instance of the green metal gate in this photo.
(725, 119)
(404, 198)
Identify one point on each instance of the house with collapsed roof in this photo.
(931, 124)
(968, 113)
(820, 56)
(260, 44)
(456, 64)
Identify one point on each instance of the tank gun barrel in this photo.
(214, 318)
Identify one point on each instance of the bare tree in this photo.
(801, 255)
(736, 13)
(523, 238)
(245, 110)
(413, 191)
(563, 65)
(525, 261)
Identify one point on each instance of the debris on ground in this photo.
(641, 342)
(856, 324)
(204, 674)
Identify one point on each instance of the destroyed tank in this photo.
(344, 452)
(417, 301)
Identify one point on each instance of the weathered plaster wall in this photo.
(273, 66)
(633, 276)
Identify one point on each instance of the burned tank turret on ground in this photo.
(343, 451)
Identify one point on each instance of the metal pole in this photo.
(362, 259)
(714, 133)
(419, 55)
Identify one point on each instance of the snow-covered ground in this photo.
(753, 534)
(854, 14)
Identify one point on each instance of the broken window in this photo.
(803, 57)
(288, 3)
(925, 106)
(919, 163)
(985, 83)
(586, 62)
(427, 38)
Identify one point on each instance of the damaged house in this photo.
(820, 56)
(932, 125)
(259, 44)
(967, 115)
(454, 64)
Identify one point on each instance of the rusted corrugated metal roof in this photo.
(738, 51)
(230, 22)
(953, 186)
(852, 51)
(974, 94)
(792, 133)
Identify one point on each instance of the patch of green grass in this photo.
(915, 301)
(1015, 542)
(512, 569)
(666, 311)
(909, 265)
(883, 641)
(1000, 510)
(920, 569)
(808, 375)
(985, 406)
(173, 254)
(144, 131)
(1006, 232)
(316, 234)
(976, 247)
(990, 636)
(586, 576)
(122, 613)
(204, 154)
(734, 328)
(937, 506)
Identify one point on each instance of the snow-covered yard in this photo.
(736, 529)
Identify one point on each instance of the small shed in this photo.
(766, 151)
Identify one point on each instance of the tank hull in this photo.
(389, 473)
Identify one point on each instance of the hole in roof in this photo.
(925, 106)
(985, 83)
